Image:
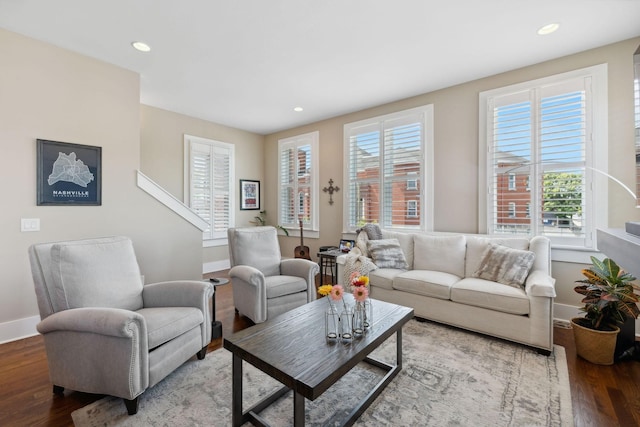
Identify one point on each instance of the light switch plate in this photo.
(30, 224)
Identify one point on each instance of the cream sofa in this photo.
(440, 283)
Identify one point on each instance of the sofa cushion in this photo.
(477, 245)
(505, 265)
(96, 273)
(439, 253)
(383, 277)
(167, 323)
(490, 295)
(278, 286)
(435, 284)
(257, 247)
(386, 253)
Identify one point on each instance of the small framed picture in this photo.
(68, 174)
(249, 195)
(346, 245)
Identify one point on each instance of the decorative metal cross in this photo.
(330, 190)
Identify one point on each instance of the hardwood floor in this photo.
(601, 395)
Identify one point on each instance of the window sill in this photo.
(214, 242)
(573, 255)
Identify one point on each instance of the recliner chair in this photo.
(104, 331)
(264, 285)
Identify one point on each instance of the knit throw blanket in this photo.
(357, 263)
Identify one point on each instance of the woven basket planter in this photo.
(595, 346)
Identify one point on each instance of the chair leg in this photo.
(202, 353)
(132, 405)
(58, 390)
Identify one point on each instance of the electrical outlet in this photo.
(30, 224)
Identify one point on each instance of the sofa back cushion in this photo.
(477, 245)
(96, 273)
(439, 253)
(257, 247)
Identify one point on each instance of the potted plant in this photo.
(609, 300)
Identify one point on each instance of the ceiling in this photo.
(248, 63)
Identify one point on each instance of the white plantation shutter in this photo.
(296, 178)
(210, 186)
(386, 170)
(540, 161)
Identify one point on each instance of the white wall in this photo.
(162, 160)
(456, 151)
(50, 93)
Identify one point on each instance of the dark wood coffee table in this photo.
(292, 349)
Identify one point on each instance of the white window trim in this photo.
(311, 230)
(187, 140)
(426, 189)
(599, 154)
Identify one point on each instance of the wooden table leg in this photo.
(298, 409)
(399, 348)
(236, 392)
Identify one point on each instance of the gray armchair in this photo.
(104, 331)
(264, 285)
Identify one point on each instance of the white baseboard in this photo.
(562, 314)
(18, 329)
(210, 267)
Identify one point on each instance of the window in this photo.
(412, 208)
(388, 171)
(512, 182)
(209, 184)
(297, 172)
(549, 135)
(412, 184)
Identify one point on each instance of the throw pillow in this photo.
(373, 231)
(386, 253)
(505, 265)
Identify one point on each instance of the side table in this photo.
(216, 326)
(327, 260)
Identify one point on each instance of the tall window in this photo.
(297, 181)
(209, 183)
(388, 171)
(541, 143)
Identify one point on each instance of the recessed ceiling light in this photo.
(548, 29)
(141, 46)
(298, 109)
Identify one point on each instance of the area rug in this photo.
(450, 377)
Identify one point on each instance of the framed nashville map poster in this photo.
(69, 174)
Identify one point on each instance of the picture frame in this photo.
(346, 245)
(249, 195)
(68, 174)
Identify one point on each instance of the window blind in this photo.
(386, 171)
(296, 181)
(210, 185)
(538, 158)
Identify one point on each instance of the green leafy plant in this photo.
(261, 219)
(609, 295)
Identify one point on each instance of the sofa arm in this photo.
(97, 350)
(540, 284)
(113, 322)
(302, 268)
(179, 293)
(249, 292)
